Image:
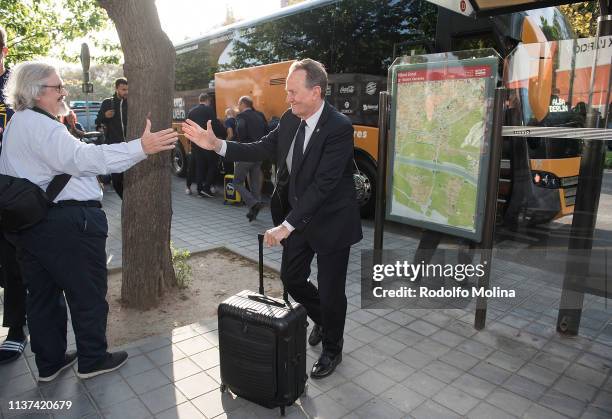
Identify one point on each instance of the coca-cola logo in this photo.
(347, 89)
(370, 107)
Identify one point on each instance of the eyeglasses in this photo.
(58, 87)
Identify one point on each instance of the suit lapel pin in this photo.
(318, 129)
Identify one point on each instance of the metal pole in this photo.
(585, 209)
(488, 229)
(381, 173)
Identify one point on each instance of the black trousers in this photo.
(326, 305)
(14, 290)
(202, 168)
(64, 255)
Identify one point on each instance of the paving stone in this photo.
(449, 339)
(537, 411)
(383, 325)
(474, 386)
(165, 355)
(423, 384)
(443, 371)
(509, 402)
(81, 407)
(350, 395)
(369, 355)
(423, 328)
(183, 411)
(387, 345)
(594, 413)
(206, 359)
(524, 387)
(575, 389)
(17, 385)
(432, 410)
(487, 411)
(551, 362)
(194, 345)
(505, 361)
(538, 374)
(180, 369)
(455, 400)
(490, 373)
(477, 349)
(108, 395)
(394, 369)
(196, 385)
(147, 381)
(365, 334)
(603, 401)
(402, 398)
(373, 381)
(162, 398)
(586, 375)
(400, 318)
(431, 347)
(562, 404)
(323, 407)
(129, 409)
(459, 360)
(414, 358)
(215, 403)
(136, 365)
(378, 409)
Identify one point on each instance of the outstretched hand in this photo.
(204, 138)
(155, 142)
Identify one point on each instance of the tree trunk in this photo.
(147, 206)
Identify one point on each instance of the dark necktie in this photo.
(298, 146)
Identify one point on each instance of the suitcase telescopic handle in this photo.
(260, 238)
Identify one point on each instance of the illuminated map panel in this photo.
(441, 118)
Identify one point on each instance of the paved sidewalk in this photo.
(403, 363)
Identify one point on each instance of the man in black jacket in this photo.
(251, 126)
(314, 205)
(112, 116)
(202, 163)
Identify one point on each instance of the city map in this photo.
(440, 120)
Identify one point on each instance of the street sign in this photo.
(87, 87)
(460, 6)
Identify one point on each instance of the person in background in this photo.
(230, 123)
(63, 257)
(14, 316)
(251, 126)
(202, 163)
(112, 119)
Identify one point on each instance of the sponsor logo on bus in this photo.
(522, 132)
(360, 134)
(370, 107)
(347, 89)
(370, 88)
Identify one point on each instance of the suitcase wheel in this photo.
(223, 388)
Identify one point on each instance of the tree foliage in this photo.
(582, 17)
(35, 27)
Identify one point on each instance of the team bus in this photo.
(357, 41)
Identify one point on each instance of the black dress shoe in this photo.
(325, 365)
(316, 335)
(253, 211)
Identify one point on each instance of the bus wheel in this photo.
(366, 193)
(179, 161)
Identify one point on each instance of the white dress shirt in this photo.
(311, 123)
(37, 147)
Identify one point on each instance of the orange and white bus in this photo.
(356, 40)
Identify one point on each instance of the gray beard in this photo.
(64, 110)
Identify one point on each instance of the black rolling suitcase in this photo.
(262, 346)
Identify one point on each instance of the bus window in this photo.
(473, 41)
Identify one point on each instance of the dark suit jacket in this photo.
(250, 126)
(324, 207)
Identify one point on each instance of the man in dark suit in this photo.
(313, 206)
(202, 163)
(251, 126)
